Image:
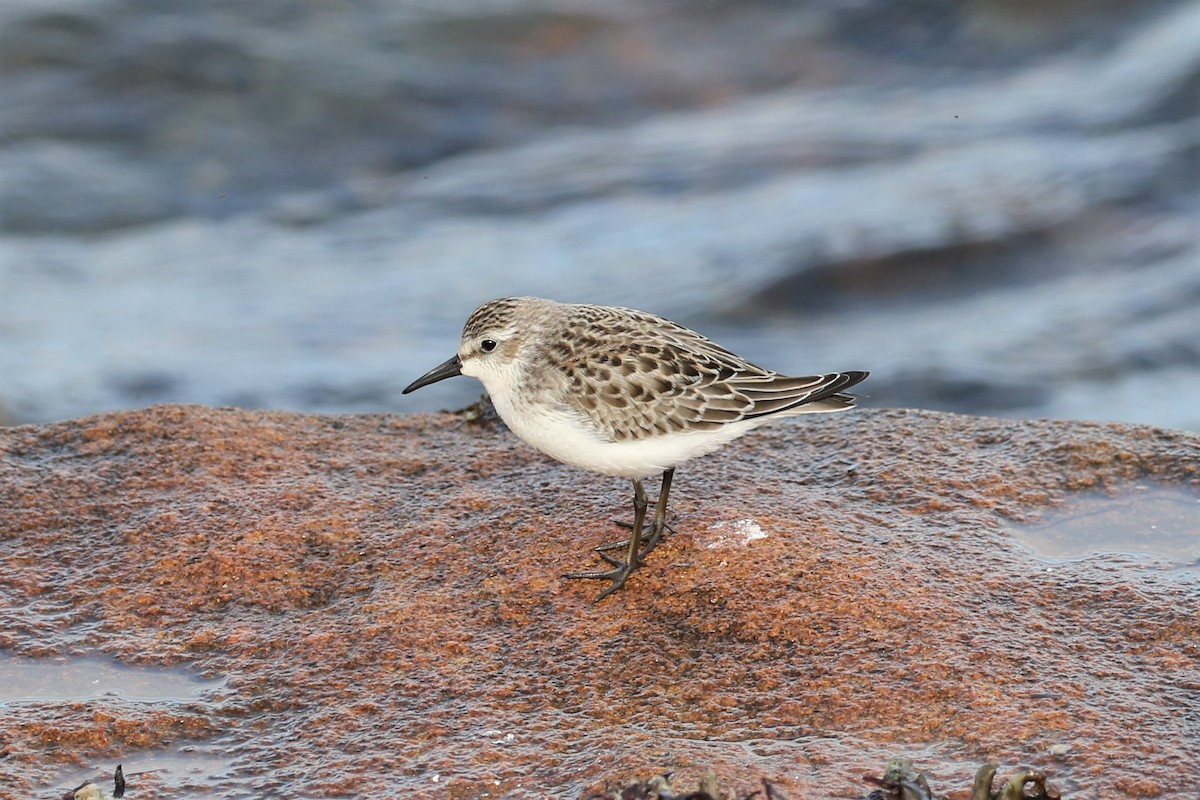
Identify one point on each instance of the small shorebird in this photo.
(623, 393)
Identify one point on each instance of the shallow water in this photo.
(194, 770)
(74, 679)
(188, 770)
(1157, 525)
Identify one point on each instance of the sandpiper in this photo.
(623, 393)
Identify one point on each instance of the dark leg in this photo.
(660, 515)
(622, 569)
(659, 526)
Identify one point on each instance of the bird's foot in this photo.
(618, 574)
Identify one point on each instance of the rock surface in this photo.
(381, 596)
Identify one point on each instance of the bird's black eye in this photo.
(487, 345)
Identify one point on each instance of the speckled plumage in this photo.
(636, 375)
(623, 392)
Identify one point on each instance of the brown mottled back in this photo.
(637, 375)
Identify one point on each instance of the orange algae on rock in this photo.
(384, 595)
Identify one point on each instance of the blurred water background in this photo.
(994, 205)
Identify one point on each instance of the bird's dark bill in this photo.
(447, 369)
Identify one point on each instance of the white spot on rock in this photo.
(737, 533)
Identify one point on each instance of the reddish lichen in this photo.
(384, 595)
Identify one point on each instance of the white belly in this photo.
(569, 437)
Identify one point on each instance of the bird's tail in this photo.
(832, 397)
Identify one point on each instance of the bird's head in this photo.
(493, 341)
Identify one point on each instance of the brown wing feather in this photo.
(632, 384)
(822, 392)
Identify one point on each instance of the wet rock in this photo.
(901, 781)
(382, 596)
(92, 791)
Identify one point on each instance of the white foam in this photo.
(737, 533)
